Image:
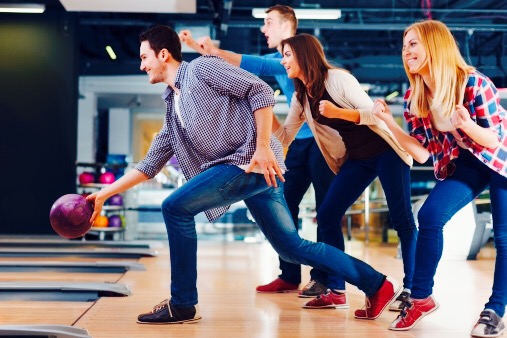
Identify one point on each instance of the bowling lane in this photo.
(89, 244)
(28, 308)
(65, 259)
(60, 276)
(17, 312)
(55, 274)
(56, 312)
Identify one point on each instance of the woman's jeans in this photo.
(225, 184)
(305, 165)
(348, 185)
(448, 197)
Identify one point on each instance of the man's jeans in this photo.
(448, 197)
(226, 184)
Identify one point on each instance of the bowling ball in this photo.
(116, 200)
(86, 178)
(123, 220)
(70, 216)
(115, 221)
(101, 221)
(107, 178)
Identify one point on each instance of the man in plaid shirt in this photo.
(218, 125)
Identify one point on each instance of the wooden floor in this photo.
(228, 273)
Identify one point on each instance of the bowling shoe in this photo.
(375, 304)
(488, 325)
(314, 288)
(398, 303)
(278, 285)
(413, 311)
(167, 313)
(330, 299)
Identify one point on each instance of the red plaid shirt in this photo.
(482, 101)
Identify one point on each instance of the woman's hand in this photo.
(486, 137)
(381, 110)
(328, 109)
(461, 118)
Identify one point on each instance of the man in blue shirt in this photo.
(304, 161)
(218, 125)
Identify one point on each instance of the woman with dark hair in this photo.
(338, 112)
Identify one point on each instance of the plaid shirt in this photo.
(216, 103)
(482, 101)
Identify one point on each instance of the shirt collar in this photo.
(180, 75)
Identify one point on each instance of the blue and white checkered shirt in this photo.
(216, 105)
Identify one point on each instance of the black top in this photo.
(361, 142)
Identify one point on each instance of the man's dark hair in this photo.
(160, 37)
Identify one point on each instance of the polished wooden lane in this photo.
(16, 311)
(56, 313)
(229, 272)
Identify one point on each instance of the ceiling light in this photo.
(22, 8)
(392, 95)
(131, 6)
(305, 13)
(111, 52)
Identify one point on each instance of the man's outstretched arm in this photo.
(205, 46)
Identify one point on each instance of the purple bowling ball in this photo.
(116, 200)
(70, 216)
(115, 221)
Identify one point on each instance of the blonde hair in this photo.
(447, 68)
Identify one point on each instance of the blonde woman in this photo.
(454, 116)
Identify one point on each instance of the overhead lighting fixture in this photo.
(111, 52)
(131, 6)
(305, 13)
(392, 95)
(22, 8)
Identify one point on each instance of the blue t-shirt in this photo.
(269, 65)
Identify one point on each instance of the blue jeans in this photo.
(448, 197)
(226, 184)
(306, 166)
(349, 184)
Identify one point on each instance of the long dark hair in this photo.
(309, 54)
